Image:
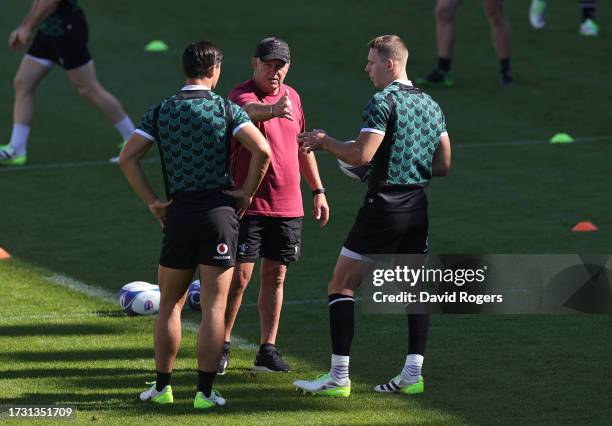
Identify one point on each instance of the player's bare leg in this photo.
(341, 291)
(173, 285)
(29, 74)
(271, 298)
(346, 278)
(240, 281)
(270, 304)
(445, 13)
(86, 82)
(501, 35)
(215, 283)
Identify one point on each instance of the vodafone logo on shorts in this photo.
(223, 250)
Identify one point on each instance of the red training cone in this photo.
(584, 227)
(4, 254)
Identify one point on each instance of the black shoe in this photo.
(224, 361)
(506, 79)
(436, 78)
(269, 359)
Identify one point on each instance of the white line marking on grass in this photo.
(237, 341)
(70, 165)
(78, 287)
(152, 160)
(107, 296)
(6, 319)
(81, 287)
(99, 293)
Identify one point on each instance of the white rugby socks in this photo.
(340, 367)
(125, 127)
(412, 369)
(19, 138)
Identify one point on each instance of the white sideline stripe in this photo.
(6, 319)
(78, 164)
(107, 296)
(70, 165)
(81, 287)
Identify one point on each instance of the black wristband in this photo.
(318, 191)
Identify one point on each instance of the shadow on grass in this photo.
(78, 355)
(480, 369)
(55, 330)
(69, 373)
(242, 399)
(116, 390)
(492, 369)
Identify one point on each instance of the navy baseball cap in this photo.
(272, 48)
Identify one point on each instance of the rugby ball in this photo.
(146, 303)
(137, 286)
(193, 295)
(129, 292)
(360, 173)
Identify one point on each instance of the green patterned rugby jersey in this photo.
(412, 123)
(55, 24)
(193, 134)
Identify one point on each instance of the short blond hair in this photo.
(390, 46)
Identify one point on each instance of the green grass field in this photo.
(69, 213)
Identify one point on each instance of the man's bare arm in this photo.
(262, 112)
(358, 153)
(441, 163)
(39, 11)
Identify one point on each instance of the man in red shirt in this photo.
(271, 227)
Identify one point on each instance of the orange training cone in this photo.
(4, 254)
(584, 227)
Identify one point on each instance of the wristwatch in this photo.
(318, 191)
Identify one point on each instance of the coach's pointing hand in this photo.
(283, 108)
(311, 141)
(158, 209)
